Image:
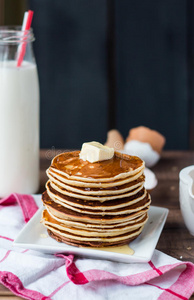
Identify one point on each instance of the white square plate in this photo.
(34, 236)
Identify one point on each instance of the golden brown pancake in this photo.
(96, 244)
(95, 205)
(76, 183)
(120, 166)
(99, 191)
(93, 226)
(94, 232)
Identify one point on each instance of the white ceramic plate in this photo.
(34, 236)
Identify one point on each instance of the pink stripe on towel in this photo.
(26, 202)
(6, 238)
(187, 275)
(6, 255)
(14, 284)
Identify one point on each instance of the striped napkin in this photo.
(34, 275)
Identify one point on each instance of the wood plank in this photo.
(6, 294)
(11, 297)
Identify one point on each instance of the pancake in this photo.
(97, 197)
(130, 208)
(96, 244)
(51, 173)
(126, 210)
(91, 226)
(95, 232)
(94, 241)
(70, 165)
(69, 214)
(93, 191)
(97, 204)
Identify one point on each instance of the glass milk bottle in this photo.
(19, 113)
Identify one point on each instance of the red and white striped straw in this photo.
(24, 21)
(25, 26)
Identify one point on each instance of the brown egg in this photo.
(115, 140)
(147, 135)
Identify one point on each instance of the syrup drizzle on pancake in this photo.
(71, 164)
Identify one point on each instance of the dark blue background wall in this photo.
(151, 43)
(150, 47)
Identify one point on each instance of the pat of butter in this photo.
(94, 151)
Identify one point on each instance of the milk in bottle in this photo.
(19, 117)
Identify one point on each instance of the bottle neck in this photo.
(15, 36)
(12, 41)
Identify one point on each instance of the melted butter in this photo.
(104, 169)
(125, 249)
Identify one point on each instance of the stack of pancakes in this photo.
(95, 204)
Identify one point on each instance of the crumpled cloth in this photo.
(35, 275)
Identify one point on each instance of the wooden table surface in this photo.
(175, 239)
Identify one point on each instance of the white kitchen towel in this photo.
(34, 275)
